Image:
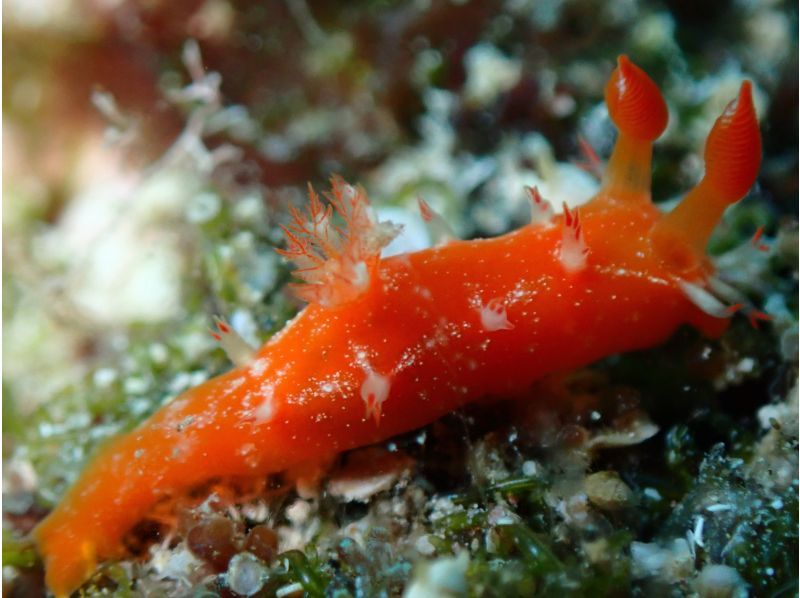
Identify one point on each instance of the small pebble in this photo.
(444, 577)
(213, 541)
(246, 574)
(262, 541)
(203, 207)
(424, 546)
(105, 377)
(607, 491)
(720, 581)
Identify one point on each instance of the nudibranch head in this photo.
(337, 264)
(672, 246)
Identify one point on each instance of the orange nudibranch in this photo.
(388, 345)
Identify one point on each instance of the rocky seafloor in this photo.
(151, 152)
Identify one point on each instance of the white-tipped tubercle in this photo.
(738, 301)
(374, 391)
(573, 250)
(236, 348)
(494, 316)
(438, 228)
(591, 162)
(721, 300)
(704, 300)
(541, 210)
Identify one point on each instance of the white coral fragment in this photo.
(445, 577)
(717, 581)
(670, 562)
(489, 74)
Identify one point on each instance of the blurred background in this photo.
(151, 147)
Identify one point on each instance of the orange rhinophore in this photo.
(388, 345)
(640, 114)
(732, 155)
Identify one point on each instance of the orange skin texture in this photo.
(432, 331)
(420, 327)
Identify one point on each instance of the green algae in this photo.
(18, 552)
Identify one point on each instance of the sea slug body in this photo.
(388, 345)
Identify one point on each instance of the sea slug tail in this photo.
(336, 263)
(640, 114)
(732, 160)
(67, 565)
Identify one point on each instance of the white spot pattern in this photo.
(266, 409)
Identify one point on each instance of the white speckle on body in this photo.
(234, 384)
(266, 409)
(248, 451)
(185, 423)
(259, 366)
